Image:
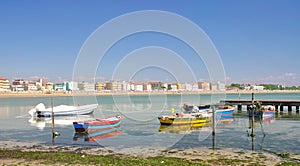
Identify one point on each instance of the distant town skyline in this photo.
(258, 41)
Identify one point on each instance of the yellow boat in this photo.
(192, 121)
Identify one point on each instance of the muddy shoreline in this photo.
(200, 154)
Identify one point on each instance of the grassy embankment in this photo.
(19, 157)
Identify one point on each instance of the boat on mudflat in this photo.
(62, 110)
(98, 124)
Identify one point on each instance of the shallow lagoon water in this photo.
(140, 126)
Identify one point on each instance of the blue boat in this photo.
(265, 112)
(225, 112)
(97, 124)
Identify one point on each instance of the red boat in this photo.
(97, 124)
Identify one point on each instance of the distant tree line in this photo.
(267, 86)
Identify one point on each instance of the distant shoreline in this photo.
(61, 94)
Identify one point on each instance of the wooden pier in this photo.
(279, 104)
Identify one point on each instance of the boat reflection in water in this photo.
(180, 129)
(41, 122)
(95, 134)
(258, 122)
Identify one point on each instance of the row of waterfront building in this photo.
(108, 86)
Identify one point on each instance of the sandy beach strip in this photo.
(60, 94)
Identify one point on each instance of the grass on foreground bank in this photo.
(71, 158)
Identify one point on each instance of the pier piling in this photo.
(239, 107)
(289, 108)
(281, 108)
(280, 105)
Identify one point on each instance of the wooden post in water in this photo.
(213, 128)
(52, 115)
(239, 107)
(252, 121)
(213, 121)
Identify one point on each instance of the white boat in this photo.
(62, 110)
(206, 111)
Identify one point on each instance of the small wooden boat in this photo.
(267, 111)
(206, 110)
(224, 110)
(190, 109)
(97, 124)
(181, 119)
(62, 110)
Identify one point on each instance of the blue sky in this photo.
(258, 41)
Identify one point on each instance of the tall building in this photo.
(18, 85)
(4, 84)
(205, 86)
(115, 86)
(72, 86)
(85, 86)
(136, 86)
(155, 86)
(172, 87)
(214, 87)
(147, 88)
(39, 84)
(221, 86)
(99, 86)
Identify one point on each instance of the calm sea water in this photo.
(141, 128)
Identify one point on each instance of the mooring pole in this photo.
(252, 122)
(253, 109)
(52, 115)
(213, 128)
(213, 121)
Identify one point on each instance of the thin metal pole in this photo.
(52, 103)
(252, 123)
(213, 128)
(253, 109)
(213, 120)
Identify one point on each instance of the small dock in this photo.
(279, 104)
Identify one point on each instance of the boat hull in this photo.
(181, 121)
(225, 112)
(63, 110)
(97, 124)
